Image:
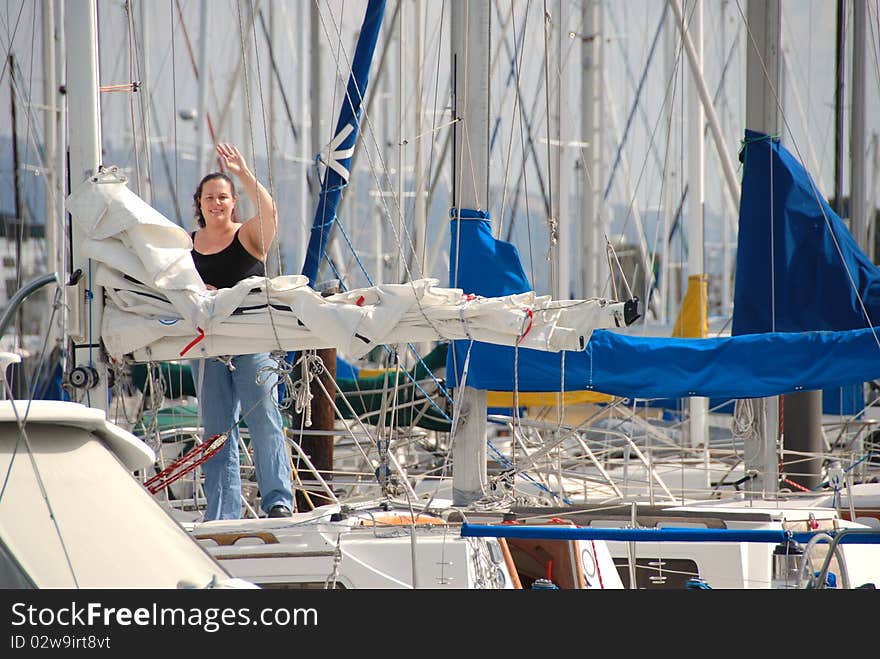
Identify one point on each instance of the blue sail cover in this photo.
(745, 366)
(798, 267)
(342, 146)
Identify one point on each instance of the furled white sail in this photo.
(157, 307)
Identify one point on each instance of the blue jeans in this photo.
(225, 397)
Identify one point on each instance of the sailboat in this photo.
(413, 534)
(156, 309)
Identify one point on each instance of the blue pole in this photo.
(550, 532)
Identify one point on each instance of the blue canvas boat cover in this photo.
(803, 353)
(798, 267)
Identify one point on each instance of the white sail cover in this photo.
(158, 308)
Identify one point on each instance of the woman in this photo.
(225, 252)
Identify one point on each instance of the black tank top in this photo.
(228, 266)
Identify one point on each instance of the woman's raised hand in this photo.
(233, 159)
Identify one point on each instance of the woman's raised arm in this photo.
(258, 232)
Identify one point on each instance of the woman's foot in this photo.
(279, 511)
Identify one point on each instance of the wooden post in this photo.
(318, 447)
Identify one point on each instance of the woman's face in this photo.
(217, 201)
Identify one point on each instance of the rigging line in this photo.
(371, 94)
(174, 105)
(397, 237)
(815, 192)
(790, 73)
(272, 188)
(131, 76)
(554, 274)
(540, 115)
(150, 112)
(681, 147)
(369, 132)
(523, 178)
(874, 17)
(772, 248)
(28, 122)
(340, 49)
(365, 121)
(669, 96)
(438, 168)
(8, 48)
(649, 273)
(635, 104)
(661, 203)
(277, 75)
(38, 368)
(431, 131)
(274, 210)
(466, 146)
(145, 90)
(631, 80)
(195, 68)
(517, 101)
(434, 114)
(401, 121)
(33, 134)
(332, 400)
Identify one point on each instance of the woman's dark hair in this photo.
(198, 195)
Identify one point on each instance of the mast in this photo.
(58, 214)
(858, 150)
(298, 249)
(50, 146)
(49, 141)
(337, 173)
(589, 97)
(318, 447)
(561, 162)
(420, 213)
(764, 18)
(726, 261)
(669, 175)
(800, 414)
(19, 211)
(202, 118)
(84, 139)
(145, 190)
(470, 192)
(731, 182)
(698, 407)
(839, 78)
(403, 245)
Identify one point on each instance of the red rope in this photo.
(598, 569)
(787, 480)
(198, 454)
(797, 486)
(528, 328)
(193, 342)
